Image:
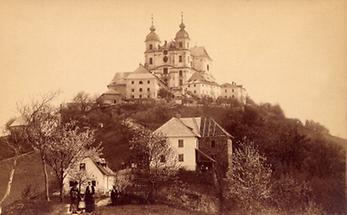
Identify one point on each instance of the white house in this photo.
(197, 141)
(91, 170)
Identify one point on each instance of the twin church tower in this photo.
(175, 66)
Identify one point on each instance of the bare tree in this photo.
(14, 141)
(37, 117)
(154, 157)
(249, 179)
(68, 146)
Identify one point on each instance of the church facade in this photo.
(183, 70)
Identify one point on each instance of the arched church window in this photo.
(150, 60)
(180, 58)
(150, 46)
(180, 44)
(208, 67)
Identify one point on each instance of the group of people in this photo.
(81, 202)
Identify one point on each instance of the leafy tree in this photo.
(165, 94)
(154, 157)
(68, 146)
(249, 179)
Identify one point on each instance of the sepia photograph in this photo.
(185, 107)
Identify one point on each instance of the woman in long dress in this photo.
(89, 198)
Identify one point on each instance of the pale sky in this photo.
(290, 52)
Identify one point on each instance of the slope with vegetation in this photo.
(303, 157)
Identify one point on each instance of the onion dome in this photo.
(152, 36)
(182, 34)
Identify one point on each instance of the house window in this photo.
(132, 90)
(140, 89)
(82, 166)
(226, 90)
(148, 82)
(208, 67)
(148, 96)
(180, 58)
(194, 85)
(140, 96)
(233, 96)
(180, 73)
(150, 60)
(132, 82)
(180, 158)
(165, 71)
(162, 159)
(114, 101)
(180, 143)
(150, 46)
(148, 89)
(213, 143)
(194, 91)
(233, 90)
(140, 82)
(180, 44)
(181, 82)
(132, 96)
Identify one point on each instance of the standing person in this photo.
(74, 198)
(89, 198)
(114, 195)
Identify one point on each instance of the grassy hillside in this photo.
(303, 151)
(28, 173)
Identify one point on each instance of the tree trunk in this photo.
(61, 187)
(44, 166)
(10, 180)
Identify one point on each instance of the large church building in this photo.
(175, 66)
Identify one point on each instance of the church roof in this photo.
(111, 92)
(182, 34)
(119, 78)
(152, 36)
(199, 51)
(141, 73)
(202, 77)
(232, 85)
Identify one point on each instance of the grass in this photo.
(143, 210)
(28, 173)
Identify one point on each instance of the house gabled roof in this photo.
(192, 126)
(105, 170)
(175, 127)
